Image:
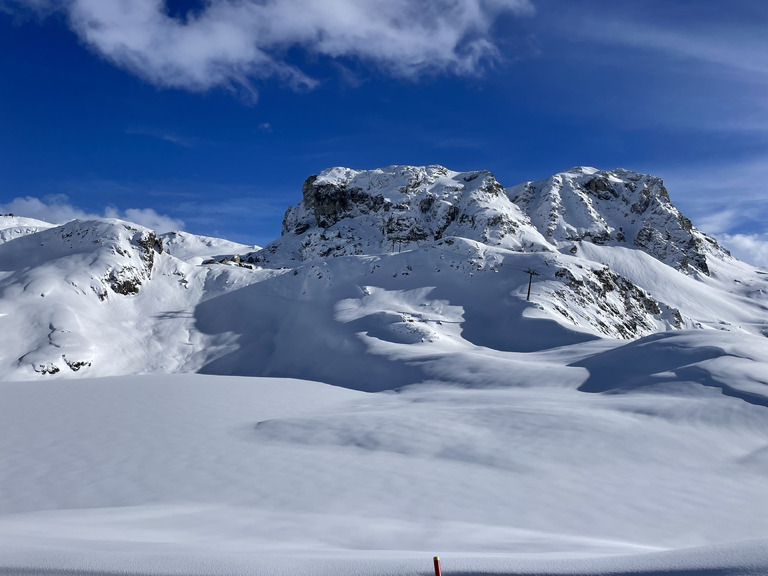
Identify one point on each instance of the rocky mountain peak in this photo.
(103, 256)
(617, 207)
(345, 211)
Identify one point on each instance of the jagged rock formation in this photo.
(355, 212)
(351, 212)
(615, 207)
(611, 304)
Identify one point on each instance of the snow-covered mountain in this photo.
(424, 254)
(14, 226)
(98, 297)
(592, 233)
(605, 426)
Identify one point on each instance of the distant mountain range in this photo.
(377, 274)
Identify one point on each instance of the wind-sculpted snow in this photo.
(673, 362)
(180, 474)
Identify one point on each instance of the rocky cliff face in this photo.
(615, 207)
(348, 212)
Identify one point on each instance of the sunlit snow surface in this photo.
(170, 472)
(209, 474)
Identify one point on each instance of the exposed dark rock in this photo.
(75, 365)
(46, 368)
(330, 203)
(426, 204)
(125, 287)
(601, 188)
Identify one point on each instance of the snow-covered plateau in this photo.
(561, 377)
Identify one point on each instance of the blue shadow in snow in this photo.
(640, 364)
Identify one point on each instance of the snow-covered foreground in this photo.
(201, 474)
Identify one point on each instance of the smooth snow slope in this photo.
(167, 474)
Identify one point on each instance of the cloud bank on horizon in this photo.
(231, 43)
(57, 209)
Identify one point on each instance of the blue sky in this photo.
(208, 116)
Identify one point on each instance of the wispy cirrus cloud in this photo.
(701, 67)
(234, 42)
(727, 48)
(166, 136)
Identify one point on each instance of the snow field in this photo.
(146, 468)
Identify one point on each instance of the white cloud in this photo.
(146, 217)
(54, 208)
(751, 248)
(57, 209)
(722, 197)
(719, 222)
(232, 42)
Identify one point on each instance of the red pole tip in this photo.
(437, 565)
